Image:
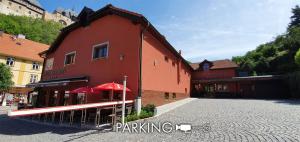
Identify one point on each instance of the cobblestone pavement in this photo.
(225, 120)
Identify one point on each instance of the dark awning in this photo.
(59, 82)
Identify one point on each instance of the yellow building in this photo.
(22, 56)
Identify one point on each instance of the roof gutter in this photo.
(140, 59)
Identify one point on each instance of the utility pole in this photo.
(124, 96)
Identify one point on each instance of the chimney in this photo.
(179, 52)
(21, 36)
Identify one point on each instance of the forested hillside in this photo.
(277, 56)
(34, 29)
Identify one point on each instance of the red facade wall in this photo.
(123, 37)
(214, 74)
(158, 74)
(162, 71)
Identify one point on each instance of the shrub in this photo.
(131, 117)
(147, 111)
(145, 114)
(149, 108)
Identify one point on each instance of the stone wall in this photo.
(23, 8)
(20, 8)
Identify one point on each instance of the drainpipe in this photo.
(138, 103)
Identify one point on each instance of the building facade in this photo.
(63, 16)
(32, 8)
(21, 55)
(207, 71)
(220, 79)
(106, 45)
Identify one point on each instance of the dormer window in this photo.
(205, 67)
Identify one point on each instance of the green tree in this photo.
(295, 18)
(297, 57)
(5, 78)
(34, 29)
(277, 56)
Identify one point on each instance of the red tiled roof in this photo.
(21, 48)
(218, 64)
(108, 10)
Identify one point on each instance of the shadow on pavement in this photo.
(280, 101)
(290, 102)
(10, 126)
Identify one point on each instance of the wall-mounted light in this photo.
(122, 57)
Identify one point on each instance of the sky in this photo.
(204, 29)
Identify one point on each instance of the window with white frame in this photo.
(10, 61)
(35, 66)
(70, 58)
(33, 78)
(100, 51)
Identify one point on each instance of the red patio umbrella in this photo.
(110, 86)
(86, 90)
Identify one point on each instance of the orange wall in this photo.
(214, 74)
(162, 76)
(123, 38)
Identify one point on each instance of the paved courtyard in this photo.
(224, 120)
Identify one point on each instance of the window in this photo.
(20, 7)
(225, 87)
(33, 78)
(206, 67)
(166, 59)
(10, 61)
(174, 95)
(9, 3)
(35, 66)
(219, 87)
(29, 12)
(70, 58)
(100, 51)
(167, 96)
(173, 64)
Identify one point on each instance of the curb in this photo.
(168, 107)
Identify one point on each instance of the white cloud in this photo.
(225, 28)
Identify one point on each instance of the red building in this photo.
(219, 79)
(105, 45)
(207, 71)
